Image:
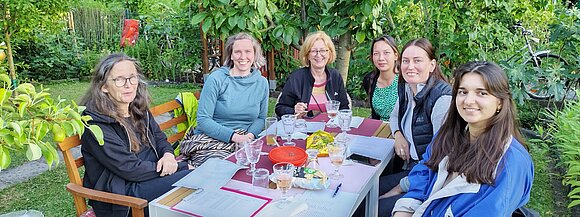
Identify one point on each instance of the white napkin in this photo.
(356, 122)
(299, 135)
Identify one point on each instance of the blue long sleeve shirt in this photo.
(231, 102)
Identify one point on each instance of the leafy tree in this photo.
(20, 18)
(28, 117)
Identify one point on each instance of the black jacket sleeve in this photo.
(116, 157)
(160, 140)
(290, 95)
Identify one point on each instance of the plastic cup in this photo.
(260, 180)
(271, 130)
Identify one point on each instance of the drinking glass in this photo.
(271, 130)
(260, 180)
(344, 119)
(240, 154)
(284, 172)
(332, 111)
(253, 149)
(288, 122)
(337, 153)
(300, 126)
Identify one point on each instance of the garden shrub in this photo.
(52, 57)
(565, 131)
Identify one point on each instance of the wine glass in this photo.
(337, 153)
(332, 111)
(344, 119)
(288, 122)
(284, 172)
(253, 150)
(240, 155)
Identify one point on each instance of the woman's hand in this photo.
(300, 109)
(238, 138)
(394, 191)
(401, 146)
(167, 165)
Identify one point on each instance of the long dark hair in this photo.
(391, 42)
(426, 45)
(96, 100)
(477, 159)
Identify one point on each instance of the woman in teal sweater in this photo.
(233, 103)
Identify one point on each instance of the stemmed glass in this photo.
(344, 119)
(337, 153)
(332, 111)
(240, 154)
(284, 172)
(288, 125)
(253, 149)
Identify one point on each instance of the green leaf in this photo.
(76, 126)
(206, 25)
(360, 36)
(573, 203)
(41, 130)
(16, 128)
(96, 130)
(232, 21)
(86, 118)
(261, 6)
(2, 96)
(22, 108)
(46, 153)
(4, 157)
(327, 20)
(68, 128)
(33, 152)
(225, 2)
(242, 23)
(198, 18)
(5, 79)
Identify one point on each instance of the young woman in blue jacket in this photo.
(478, 164)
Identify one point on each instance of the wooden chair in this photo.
(80, 193)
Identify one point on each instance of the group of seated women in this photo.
(461, 159)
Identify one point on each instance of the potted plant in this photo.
(30, 117)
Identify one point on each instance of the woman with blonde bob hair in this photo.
(478, 164)
(310, 87)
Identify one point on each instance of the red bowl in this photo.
(290, 154)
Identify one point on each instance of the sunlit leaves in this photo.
(31, 118)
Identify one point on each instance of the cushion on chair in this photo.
(89, 213)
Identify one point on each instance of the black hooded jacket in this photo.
(112, 167)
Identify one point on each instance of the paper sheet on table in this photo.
(212, 174)
(373, 147)
(322, 204)
(355, 122)
(217, 202)
(279, 207)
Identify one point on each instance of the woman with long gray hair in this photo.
(136, 159)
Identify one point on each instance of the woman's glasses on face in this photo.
(321, 52)
(121, 81)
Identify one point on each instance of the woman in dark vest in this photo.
(424, 98)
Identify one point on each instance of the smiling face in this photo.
(416, 65)
(384, 56)
(243, 56)
(474, 102)
(318, 55)
(125, 73)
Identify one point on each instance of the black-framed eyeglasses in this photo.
(120, 81)
(321, 52)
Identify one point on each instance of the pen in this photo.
(336, 191)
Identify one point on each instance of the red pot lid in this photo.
(290, 154)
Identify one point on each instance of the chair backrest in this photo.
(168, 107)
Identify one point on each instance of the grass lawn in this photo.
(47, 193)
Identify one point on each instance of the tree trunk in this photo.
(343, 55)
(10, 57)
